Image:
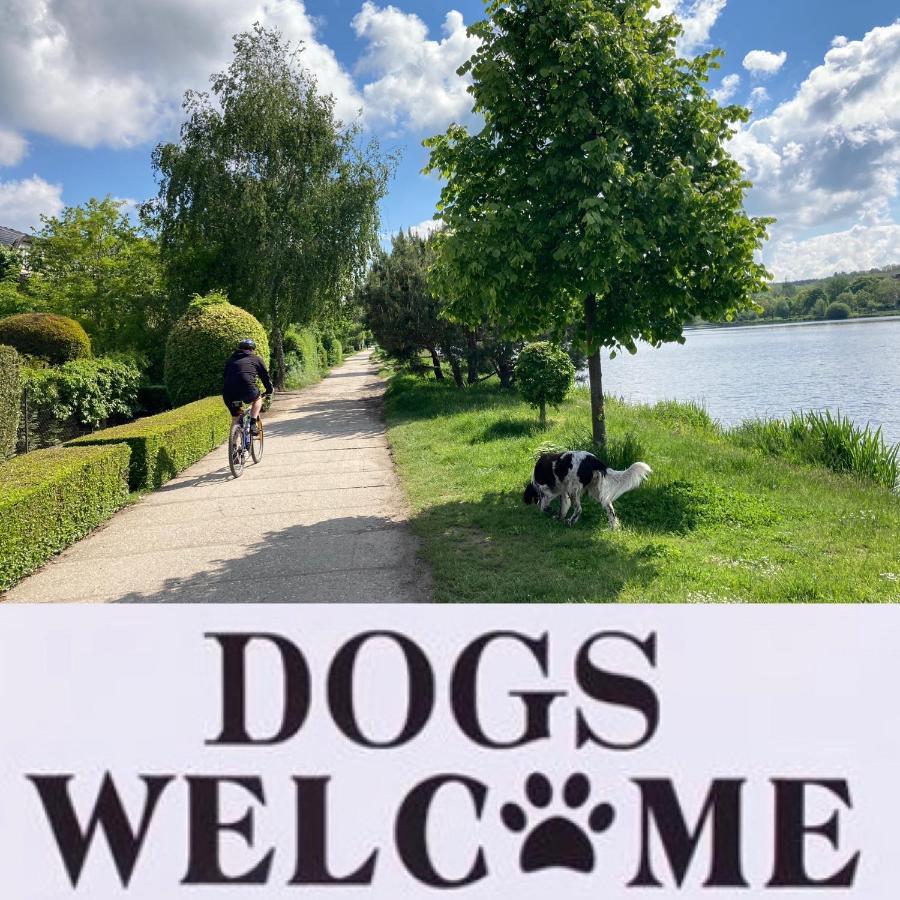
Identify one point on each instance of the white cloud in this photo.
(857, 249)
(762, 62)
(728, 88)
(414, 84)
(427, 228)
(840, 41)
(13, 147)
(697, 17)
(830, 156)
(759, 96)
(92, 72)
(23, 202)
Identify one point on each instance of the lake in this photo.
(769, 371)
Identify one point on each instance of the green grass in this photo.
(718, 522)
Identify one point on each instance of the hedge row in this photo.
(10, 396)
(51, 498)
(164, 445)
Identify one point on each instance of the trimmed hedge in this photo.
(201, 342)
(47, 336)
(51, 498)
(164, 445)
(10, 400)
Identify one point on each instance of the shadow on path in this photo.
(354, 559)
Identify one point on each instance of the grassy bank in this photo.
(717, 523)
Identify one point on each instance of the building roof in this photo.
(13, 238)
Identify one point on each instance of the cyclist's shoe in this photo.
(254, 428)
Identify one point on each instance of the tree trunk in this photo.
(505, 372)
(436, 362)
(456, 368)
(472, 356)
(595, 374)
(543, 413)
(278, 341)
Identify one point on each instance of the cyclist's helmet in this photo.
(247, 344)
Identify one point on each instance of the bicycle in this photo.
(241, 441)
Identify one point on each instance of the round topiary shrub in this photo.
(55, 339)
(200, 343)
(544, 374)
(837, 311)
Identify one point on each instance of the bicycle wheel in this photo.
(256, 443)
(236, 451)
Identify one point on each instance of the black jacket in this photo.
(242, 370)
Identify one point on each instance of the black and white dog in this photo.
(576, 472)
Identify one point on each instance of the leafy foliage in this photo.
(85, 392)
(267, 195)
(51, 498)
(600, 191)
(164, 445)
(544, 374)
(403, 313)
(53, 338)
(200, 343)
(837, 310)
(92, 264)
(10, 394)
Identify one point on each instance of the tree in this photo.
(599, 190)
(811, 297)
(92, 264)
(544, 374)
(267, 195)
(837, 310)
(403, 314)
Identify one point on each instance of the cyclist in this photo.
(242, 371)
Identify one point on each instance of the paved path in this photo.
(321, 519)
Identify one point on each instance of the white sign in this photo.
(425, 751)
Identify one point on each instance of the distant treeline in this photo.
(842, 296)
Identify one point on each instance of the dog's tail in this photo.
(618, 483)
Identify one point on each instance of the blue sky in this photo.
(90, 86)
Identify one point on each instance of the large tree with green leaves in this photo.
(93, 264)
(267, 195)
(599, 191)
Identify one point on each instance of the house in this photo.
(18, 240)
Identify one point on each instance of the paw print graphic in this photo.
(557, 841)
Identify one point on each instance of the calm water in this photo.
(772, 370)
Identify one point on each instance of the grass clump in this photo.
(717, 522)
(823, 439)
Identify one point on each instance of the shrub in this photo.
(837, 310)
(302, 361)
(200, 343)
(333, 350)
(46, 336)
(544, 374)
(85, 392)
(164, 445)
(51, 498)
(10, 396)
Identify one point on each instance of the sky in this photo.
(89, 87)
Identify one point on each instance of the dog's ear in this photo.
(530, 495)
